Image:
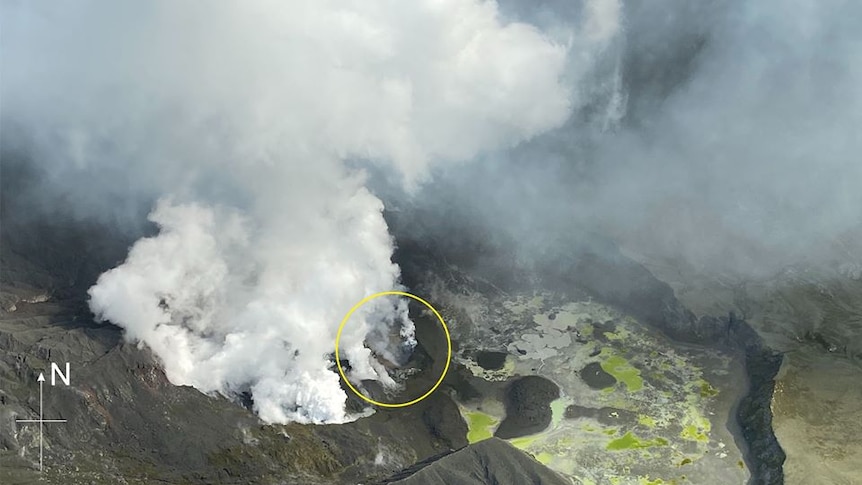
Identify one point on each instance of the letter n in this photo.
(55, 371)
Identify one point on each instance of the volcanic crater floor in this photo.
(629, 406)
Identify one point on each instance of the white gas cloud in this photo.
(239, 116)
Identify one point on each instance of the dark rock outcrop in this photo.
(528, 407)
(754, 414)
(490, 360)
(596, 377)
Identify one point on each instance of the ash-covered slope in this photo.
(489, 462)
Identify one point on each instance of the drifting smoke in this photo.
(751, 161)
(726, 143)
(239, 117)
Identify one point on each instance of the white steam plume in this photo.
(239, 116)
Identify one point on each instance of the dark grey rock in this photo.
(528, 407)
(490, 360)
(596, 377)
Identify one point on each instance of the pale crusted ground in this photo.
(664, 421)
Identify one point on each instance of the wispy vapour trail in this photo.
(736, 152)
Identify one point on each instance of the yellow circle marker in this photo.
(448, 349)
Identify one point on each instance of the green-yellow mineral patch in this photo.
(558, 410)
(647, 421)
(647, 481)
(692, 433)
(620, 334)
(544, 457)
(523, 442)
(696, 428)
(479, 426)
(706, 389)
(620, 368)
(630, 442)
